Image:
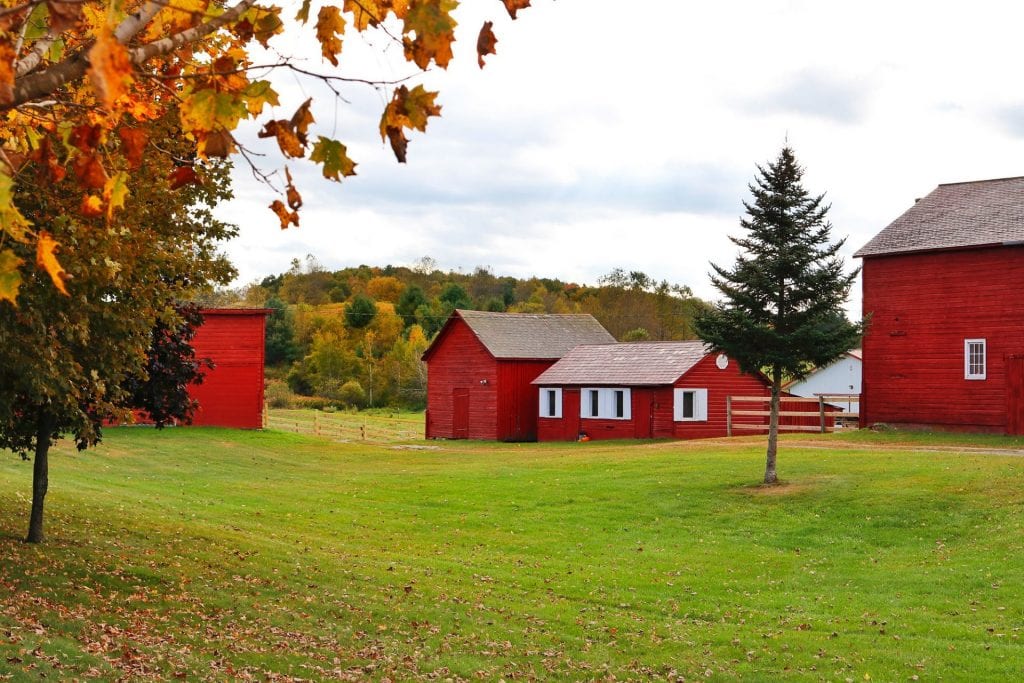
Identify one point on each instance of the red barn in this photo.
(944, 286)
(480, 365)
(641, 390)
(231, 394)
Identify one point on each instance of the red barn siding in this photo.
(462, 362)
(922, 308)
(231, 394)
(652, 408)
(518, 400)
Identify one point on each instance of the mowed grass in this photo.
(224, 555)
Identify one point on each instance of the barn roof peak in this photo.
(542, 336)
(962, 215)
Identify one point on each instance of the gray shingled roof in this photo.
(957, 215)
(532, 335)
(632, 364)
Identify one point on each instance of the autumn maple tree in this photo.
(82, 83)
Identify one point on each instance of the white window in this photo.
(974, 359)
(605, 404)
(551, 403)
(690, 405)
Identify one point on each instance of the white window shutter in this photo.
(700, 405)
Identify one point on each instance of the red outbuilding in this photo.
(642, 390)
(944, 289)
(231, 394)
(480, 365)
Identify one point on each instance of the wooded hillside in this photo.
(353, 337)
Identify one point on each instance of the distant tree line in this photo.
(354, 337)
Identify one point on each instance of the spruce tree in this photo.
(781, 311)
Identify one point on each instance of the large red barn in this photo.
(231, 394)
(480, 365)
(642, 390)
(944, 289)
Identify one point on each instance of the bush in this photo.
(278, 395)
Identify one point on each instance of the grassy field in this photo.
(222, 555)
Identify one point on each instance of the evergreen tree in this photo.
(280, 340)
(360, 312)
(782, 306)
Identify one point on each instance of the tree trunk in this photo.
(40, 476)
(770, 477)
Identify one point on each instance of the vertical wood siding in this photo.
(460, 361)
(922, 308)
(231, 394)
(518, 400)
(652, 408)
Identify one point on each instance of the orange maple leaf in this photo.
(91, 206)
(284, 215)
(294, 198)
(182, 176)
(7, 58)
(46, 259)
(63, 15)
(133, 145)
(432, 24)
(287, 140)
(90, 172)
(407, 109)
(514, 6)
(330, 26)
(110, 68)
(485, 43)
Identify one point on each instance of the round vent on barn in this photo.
(722, 362)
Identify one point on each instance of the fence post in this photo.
(728, 415)
(362, 430)
(266, 415)
(316, 422)
(821, 413)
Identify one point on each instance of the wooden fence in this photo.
(829, 412)
(346, 426)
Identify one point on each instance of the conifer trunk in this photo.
(40, 476)
(770, 477)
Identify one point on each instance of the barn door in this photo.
(1015, 395)
(460, 413)
(642, 415)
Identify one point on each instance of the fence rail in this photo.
(345, 426)
(829, 416)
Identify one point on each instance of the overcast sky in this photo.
(608, 134)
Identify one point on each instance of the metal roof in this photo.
(627, 364)
(956, 216)
(534, 335)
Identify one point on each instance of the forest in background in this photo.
(353, 338)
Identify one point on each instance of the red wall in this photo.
(503, 409)
(231, 394)
(651, 409)
(460, 361)
(922, 308)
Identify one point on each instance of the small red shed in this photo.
(641, 390)
(480, 365)
(944, 289)
(231, 394)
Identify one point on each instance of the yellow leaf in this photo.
(115, 191)
(330, 26)
(10, 276)
(407, 109)
(110, 68)
(11, 220)
(46, 259)
(373, 12)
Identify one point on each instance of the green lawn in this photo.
(221, 555)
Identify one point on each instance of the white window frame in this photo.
(975, 370)
(605, 403)
(700, 405)
(545, 402)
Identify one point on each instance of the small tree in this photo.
(782, 307)
(360, 312)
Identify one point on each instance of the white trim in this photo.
(607, 403)
(700, 405)
(545, 402)
(976, 367)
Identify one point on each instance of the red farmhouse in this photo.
(231, 394)
(944, 286)
(641, 390)
(480, 365)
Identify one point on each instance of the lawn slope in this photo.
(215, 554)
